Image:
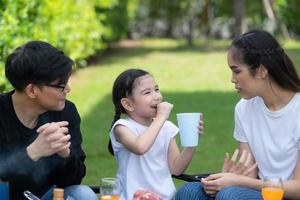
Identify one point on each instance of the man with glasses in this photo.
(40, 138)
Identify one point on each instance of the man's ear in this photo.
(126, 103)
(261, 72)
(31, 90)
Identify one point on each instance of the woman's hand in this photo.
(215, 182)
(232, 167)
(239, 165)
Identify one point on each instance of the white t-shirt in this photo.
(147, 171)
(273, 136)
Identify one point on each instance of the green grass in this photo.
(192, 78)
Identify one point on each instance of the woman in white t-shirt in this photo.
(267, 121)
(143, 142)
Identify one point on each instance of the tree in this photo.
(288, 12)
(239, 10)
(274, 19)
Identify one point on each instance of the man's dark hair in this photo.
(37, 62)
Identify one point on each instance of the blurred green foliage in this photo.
(114, 16)
(288, 11)
(78, 27)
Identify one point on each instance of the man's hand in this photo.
(52, 138)
(65, 152)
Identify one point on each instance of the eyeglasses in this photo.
(59, 86)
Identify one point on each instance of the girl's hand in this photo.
(200, 126)
(163, 110)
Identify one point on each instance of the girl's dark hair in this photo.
(258, 47)
(122, 88)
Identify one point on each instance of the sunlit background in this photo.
(183, 43)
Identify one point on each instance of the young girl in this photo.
(144, 142)
(267, 121)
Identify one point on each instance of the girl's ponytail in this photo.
(116, 118)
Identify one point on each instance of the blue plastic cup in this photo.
(4, 191)
(188, 128)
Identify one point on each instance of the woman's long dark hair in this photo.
(122, 88)
(258, 47)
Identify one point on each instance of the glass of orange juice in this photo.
(109, 189)
(272, 188)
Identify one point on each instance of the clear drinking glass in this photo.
(272, 188)
(109, 189)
